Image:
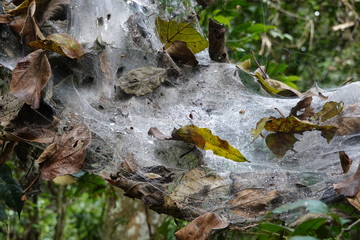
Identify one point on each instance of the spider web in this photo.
(210, 95)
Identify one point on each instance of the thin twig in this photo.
(31, 184)
(257, 63)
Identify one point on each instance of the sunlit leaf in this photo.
(61, 43)
(171, 31)
(10, 190)
(280, 91)
(204, 139)
(329, 110)
(30, 76)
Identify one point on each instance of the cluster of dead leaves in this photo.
(64, 154)
(301, 119)
(32, 73)
(181, 41)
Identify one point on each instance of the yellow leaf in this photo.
(171, 31)
(259, 127)
(204, 139)
(61, 43)
(22, 8)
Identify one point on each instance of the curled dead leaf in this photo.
(7, 151)
(29, 134)
(304, 106)
(179, 52)
(153, 131)
(355, 201)
(202, 227)
(345, 161)
(217, 44)
(61, 43)
(30, 76)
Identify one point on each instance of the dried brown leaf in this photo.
(217, 44)
(355, 201)
(7, 151)
(201, 228)
(51, 10)
(47, 153)
(252, 202)
(68, 156)
(349, 187)
(61, 43)
(30, 76)
(280, 143)
(305, 106)
(153, 131)
(345, 161)
(179, 52)
(30, 134)
(5, 18)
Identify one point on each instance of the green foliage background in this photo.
(299, 36)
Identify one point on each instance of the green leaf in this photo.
(313, 206)
(60, 43)
(310, 225)
(171, 31)
(284, 92)
(291, 78)
(10, 190)
(204, 139)
(3, 215)
(329, 110)
(302, 238)
(248, 81)
(259, 28)
(274, 228)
